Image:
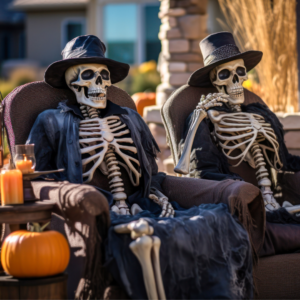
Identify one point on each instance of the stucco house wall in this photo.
(49, 24)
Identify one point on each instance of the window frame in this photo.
(65, 22)
(142, 37)
(141, 4)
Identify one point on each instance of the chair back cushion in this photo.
(180, 105)
(26, 102)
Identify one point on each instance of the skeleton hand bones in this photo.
(163, 201)
(167, 209)
(212, 100)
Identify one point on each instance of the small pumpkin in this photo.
(35, 254)
(142, 100)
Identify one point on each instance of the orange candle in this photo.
(25, 166)
(11, 182)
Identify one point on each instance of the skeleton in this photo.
(103, 141)
(237, 130)
(146, 248)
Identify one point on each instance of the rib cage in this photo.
(240, 131)
(98, 136)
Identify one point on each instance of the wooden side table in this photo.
(54, 287)
(14, 216)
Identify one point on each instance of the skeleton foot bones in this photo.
(146, 249)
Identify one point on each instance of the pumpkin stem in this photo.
(36, 227)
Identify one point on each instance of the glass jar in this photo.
(24, 158)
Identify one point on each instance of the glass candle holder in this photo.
(24, 158)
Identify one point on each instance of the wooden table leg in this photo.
(14, 227)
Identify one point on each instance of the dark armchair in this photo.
(78, 206)
(276, 276)
(82, 212)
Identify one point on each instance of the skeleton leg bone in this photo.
(135, 209)
(146, 249)
(141, 248)
(292, 209)
(156, 267)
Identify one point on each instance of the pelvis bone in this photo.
(146, 249)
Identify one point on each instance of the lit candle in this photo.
(11, 183)
(25, 166)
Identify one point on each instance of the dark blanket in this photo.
(205, 254)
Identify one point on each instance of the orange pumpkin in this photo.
(35, 254)
(142, 100)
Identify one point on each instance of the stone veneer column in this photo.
(183, 26)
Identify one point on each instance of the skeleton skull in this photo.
(89, 82)
(228, 79)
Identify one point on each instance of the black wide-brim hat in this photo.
(84, 49)
(217, 49)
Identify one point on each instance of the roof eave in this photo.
(41, 7)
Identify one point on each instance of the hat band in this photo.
(223, 52)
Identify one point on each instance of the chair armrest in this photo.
(72, 200)
(86, 212)
(243, 199)
(290, 187)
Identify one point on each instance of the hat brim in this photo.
(55, 73)
(200, 78)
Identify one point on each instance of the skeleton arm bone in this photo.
(183, 165)
(211, 100)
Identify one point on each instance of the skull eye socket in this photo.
(224, 74)
(241, 71)
(105, 75)
(87, 74)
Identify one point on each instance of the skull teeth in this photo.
(97, 99)
(236, 91)
(96, 93)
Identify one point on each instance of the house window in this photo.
(120, 31)
(152, 25)
(22, 45)
(6, 44)
(72, 28)
(131, 32)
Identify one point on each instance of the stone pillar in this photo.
(183, 26)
